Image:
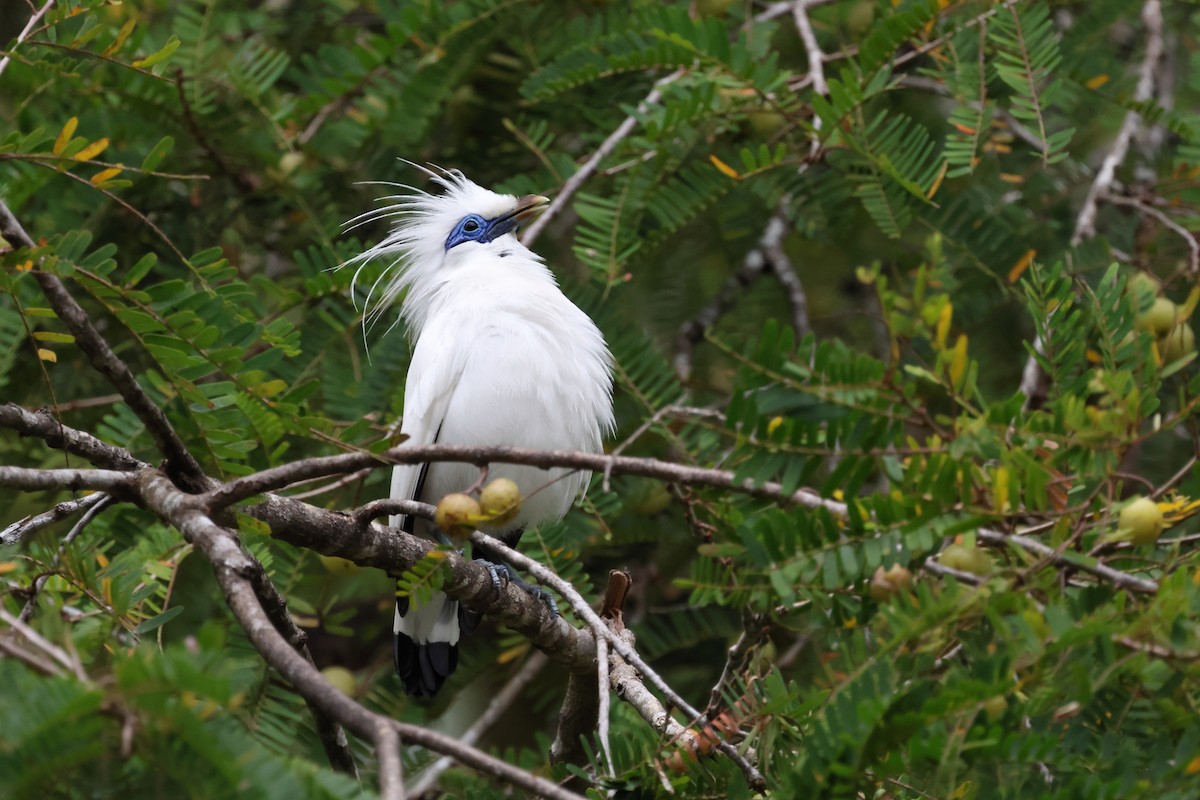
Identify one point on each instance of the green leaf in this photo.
(157, 621)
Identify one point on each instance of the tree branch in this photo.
(232, 567)
(1085, 223)
(27, 526)
(29, 26)
(606, 147)
(278, 477)
(181, 464)
(499, 704)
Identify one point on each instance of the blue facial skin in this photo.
(474, 228)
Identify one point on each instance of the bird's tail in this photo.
(426, 643)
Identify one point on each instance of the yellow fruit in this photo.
(966, 559)
(339, 566)
(1142, 519)
(500, 501)
(1159, 318)
(341, 678)
(1179, 342)
(457, 515)
(886, 585)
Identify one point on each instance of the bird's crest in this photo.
(414, 249)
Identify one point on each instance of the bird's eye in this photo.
(470, 226)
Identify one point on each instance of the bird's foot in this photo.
(510, 576)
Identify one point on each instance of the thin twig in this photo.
(546, 576)
(29, 659)
(816, 63)
(1150, 211)
(1122, 579)
(52, 650)
(781, 265)
(577, 180)
(603, 703)
(29, 26)
(101, 502)
(1085, 223)
(27, 526)
(499, 704)
(755, 262)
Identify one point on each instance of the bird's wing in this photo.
(432, 378)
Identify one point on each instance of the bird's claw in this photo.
(511, 576)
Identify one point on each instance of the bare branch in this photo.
(56, 653)
(1145, 208)
(232, 565)
(181, 463)
(29, 26)
(27, 526)
(606, 147)
(33, 480)
(43, 425)
(768, 254)
(619, 644)
(781, 265)
(279, 477)
(100, 501)
(391, 770)
(29, 659)
(1122, 579)
(1085, 224)
(816, 62)
(499, 704)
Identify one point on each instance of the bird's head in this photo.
(433, 233)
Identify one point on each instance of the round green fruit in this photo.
(341, 678)
(1143, 520)
(860, 16)
(339, 566)
(995, 707)
(1178, 343)
(766, 123)
(1159, 318)
(966, 559)
(500, 501)
(457, 514)
(1143, 284)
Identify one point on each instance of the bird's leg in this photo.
(496, 569)
(497, 566)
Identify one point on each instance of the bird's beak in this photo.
(527, 208)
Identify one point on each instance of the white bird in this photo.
(500, 357)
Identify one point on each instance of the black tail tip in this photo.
(423, 667)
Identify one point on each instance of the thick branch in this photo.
(232, 566)
(60, 437)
